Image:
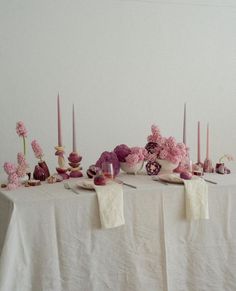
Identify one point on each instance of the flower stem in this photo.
(24, 145)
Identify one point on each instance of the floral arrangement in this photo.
(132, 155)
(22, 132)
(41, 171)
(220, 167)
(159, 147)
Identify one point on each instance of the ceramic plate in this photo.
(86, 184)
(173, 178)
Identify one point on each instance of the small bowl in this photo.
(131, 169)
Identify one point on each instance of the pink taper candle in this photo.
(184, 125)
(59, 121)
(74, 134)
(198, 144)
(208, 145)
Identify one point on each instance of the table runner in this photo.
(51, 239)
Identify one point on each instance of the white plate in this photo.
(85, 183)
(173, 178)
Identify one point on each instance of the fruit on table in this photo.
(99, 180)
(186, 175)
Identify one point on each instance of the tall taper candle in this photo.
(198, 144)
(59, 121)
(208, 143)
(74, 134)
(184, 125)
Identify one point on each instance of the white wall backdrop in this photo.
(124, 64)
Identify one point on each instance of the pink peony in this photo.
(140, 152)
(132, 159)
(21, 129)
(37, 149)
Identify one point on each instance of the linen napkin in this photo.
(111, 206)
(196, 199)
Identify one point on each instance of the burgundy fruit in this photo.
(99, 180)
(186, 175)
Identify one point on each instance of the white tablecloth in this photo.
(51, 239)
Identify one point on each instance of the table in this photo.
(51, 239)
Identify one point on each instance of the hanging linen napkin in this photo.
(111, 206)
(196, 199)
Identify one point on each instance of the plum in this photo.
(186, 175)
(99, 180)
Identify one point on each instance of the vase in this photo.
(134, 169)
(39, 173)
(44, 166)
(167, 167)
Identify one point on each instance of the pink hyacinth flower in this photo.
(22, 165)
(13, 179)
(21, 170)
(9, 168)
(21, 158)
(21, 129)
(37, 149)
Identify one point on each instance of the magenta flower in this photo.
(122, 151)
(110, 157)
(38, 152)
